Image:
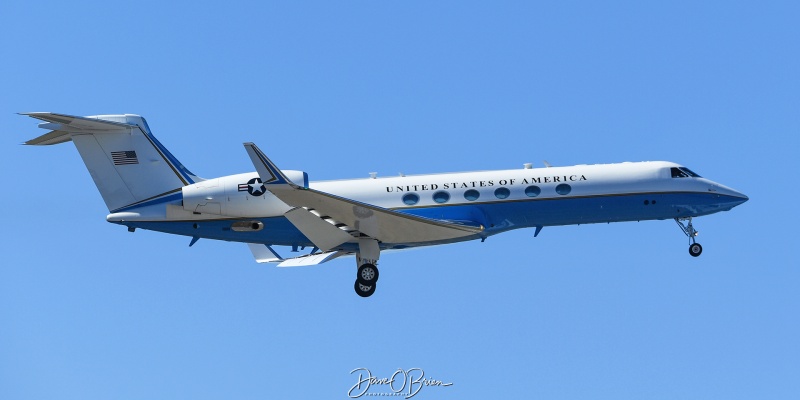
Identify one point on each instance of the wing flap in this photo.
(321, 233)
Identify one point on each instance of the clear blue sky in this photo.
(340, 89)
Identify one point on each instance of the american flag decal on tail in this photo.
(124, 157)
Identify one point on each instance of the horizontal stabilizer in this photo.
(49, 138)
(73, 123)
(62, 126)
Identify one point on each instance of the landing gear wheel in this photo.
(364, 290)
(367, 274)
(694, 249)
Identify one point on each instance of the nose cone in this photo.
(731, 197)
(738, 199)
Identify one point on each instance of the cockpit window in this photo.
(683, 172)
(677, 173)
(690, 172)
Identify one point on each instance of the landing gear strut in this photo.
(694, 248)
(367, 260)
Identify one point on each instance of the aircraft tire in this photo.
(367, 274)
(695, 249)
(364, 290)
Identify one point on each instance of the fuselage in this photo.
(145, 186)
(238, 208)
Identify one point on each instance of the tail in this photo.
(128, 165)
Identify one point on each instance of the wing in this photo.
(377, 222)
(265, 254)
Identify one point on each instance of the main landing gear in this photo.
(694, 248)
(367, 261)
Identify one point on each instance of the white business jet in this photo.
(145, 186)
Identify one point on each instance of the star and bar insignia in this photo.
(253, 186)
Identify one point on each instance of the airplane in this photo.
(145, 186)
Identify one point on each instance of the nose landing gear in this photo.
(695, 249)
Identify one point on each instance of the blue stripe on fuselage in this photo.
(165, 199)
(496, 217)
(504, 215)
(277, 230)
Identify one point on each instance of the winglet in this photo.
(267, 171)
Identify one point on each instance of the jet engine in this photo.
(242, 195)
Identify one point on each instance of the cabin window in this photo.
(472, 195)
(563, 189)
(533, 191)
(502, 193)
(410, 199)
(441, 197)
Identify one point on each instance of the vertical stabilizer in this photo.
(127, 163)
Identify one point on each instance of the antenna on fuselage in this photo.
(547, 164)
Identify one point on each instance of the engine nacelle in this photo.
(240, 195)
